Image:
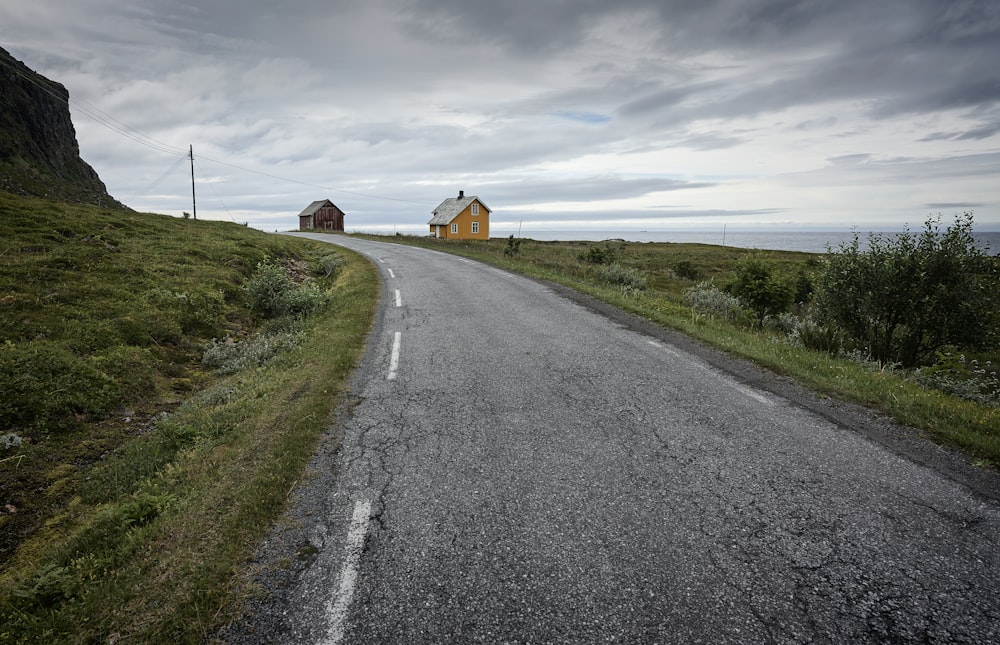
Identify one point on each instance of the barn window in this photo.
(454, 229)
(475, 211)
(475, 227)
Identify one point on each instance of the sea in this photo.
(806, 241)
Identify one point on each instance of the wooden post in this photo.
(194, 207)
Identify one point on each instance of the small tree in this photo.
(909, 295)
(759, 289)
(513, 247)
(597, 255)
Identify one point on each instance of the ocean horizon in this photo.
(773, 240)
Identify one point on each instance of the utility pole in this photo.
(194, 207)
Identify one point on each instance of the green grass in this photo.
(135, 511)
(971, 427)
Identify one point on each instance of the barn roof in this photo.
(315, 206)
(451, 207)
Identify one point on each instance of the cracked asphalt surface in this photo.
(539, 472)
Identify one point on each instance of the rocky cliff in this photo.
(39, 154)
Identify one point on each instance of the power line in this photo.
(157, 182)
(107, 121)
(134, 135)
(211, 185)
(303, 183)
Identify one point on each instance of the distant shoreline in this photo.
(774, 240)
(804, 241)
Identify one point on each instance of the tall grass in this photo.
(132, 522)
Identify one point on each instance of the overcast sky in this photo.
(559, 114)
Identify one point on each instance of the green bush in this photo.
(133, 370)
(759, 289)
(229, 356)
(148, 324)
(597, 255)
(51, 585)
(804, 288)
(707, 299)
(329, 264)
(191, 313)
(305, 299)
(963, 377)
(42, 384)
(273, 292)
(908, 296)
(686, 270)
(616, 274)
(268, 288)
(812, 335)
(513, 247)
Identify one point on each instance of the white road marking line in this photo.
(663, 348)
(464, 260)
(336, 611)
(739, 387)
(391, 274)
(399, 300)
(753, 394)
(394, 359)
(381, 260)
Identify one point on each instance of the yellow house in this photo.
(461, 218)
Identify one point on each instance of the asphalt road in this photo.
(518, 468)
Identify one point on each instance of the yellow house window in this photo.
(454, 229)
(475, 211)
(475, 227)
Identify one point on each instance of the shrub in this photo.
(812, 335)
(267, 288)
(229, 356)
(759, 290)
(686, 270)
(273, 292)
(329, 264)
(10, 440)
(43, 384)
(148, 324)
(132, 368)
(597, 255)
(908, 296)
(803, 288)
(785, 323)
(961, 377)
(305, 299)
(513, 247)
(50, 585)
(191, 313)
(618, 275)
(707, 299)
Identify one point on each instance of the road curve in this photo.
(519, 469)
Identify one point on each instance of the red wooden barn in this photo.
(322, 214)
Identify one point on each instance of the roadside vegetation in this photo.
(163, 383)
(907, 325)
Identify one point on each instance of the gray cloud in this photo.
(610, 219)
(946, 205)
(521, 190)
(562, 101)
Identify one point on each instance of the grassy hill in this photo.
(141, 460)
